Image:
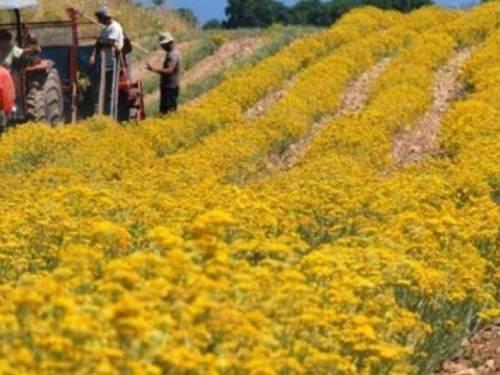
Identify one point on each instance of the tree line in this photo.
(264, 13)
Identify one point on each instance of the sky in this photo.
(209, 9)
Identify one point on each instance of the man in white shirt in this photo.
(9, 53)
(110, 41)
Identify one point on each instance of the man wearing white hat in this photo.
(170, 74)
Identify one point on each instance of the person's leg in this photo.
(123, 107)
(95, 87)
(170, 101)
(163, 101)
(107, 91)
(175, 98)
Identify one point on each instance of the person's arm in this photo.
(115, 34)
(106, 42)
(100, 43)
(170, 69)
(31, 50)
(110, 41)
(92, 55)
(17, 52)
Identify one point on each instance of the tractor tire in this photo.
(45, 102)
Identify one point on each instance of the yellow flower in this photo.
(163, 238)
(109, 234)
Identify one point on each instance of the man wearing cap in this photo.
(110, 42)
(170, 74)
(111, 39)
(9, 53)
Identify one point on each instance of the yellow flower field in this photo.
(169, 247)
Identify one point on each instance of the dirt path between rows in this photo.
(354, 100)
(266, 103)
(222, 59)
(478, 355)
(420, 141)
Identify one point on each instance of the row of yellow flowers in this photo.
(227, 103)
(118, 155)
(242, 149)
(434, 224)
(113, 260)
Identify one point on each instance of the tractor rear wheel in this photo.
(45, 101)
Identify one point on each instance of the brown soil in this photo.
(222, 59)
(420, 141)
(139, 71)
(479, 355)
(353, 100)
(263, 105)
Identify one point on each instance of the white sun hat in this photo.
(165, 38)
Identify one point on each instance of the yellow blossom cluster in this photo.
(166, 247)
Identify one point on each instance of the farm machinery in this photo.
(58, 84)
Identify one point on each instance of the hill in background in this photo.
(137, 19)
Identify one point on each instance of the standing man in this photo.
(9, 53)
(170, 74)
(110, 42)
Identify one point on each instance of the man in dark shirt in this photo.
(170, 74)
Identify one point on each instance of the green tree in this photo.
(336, 9)
(187, 15)
(401, 5)
(254, 13)
(310, 12)
(158, 3)
(263, 13)
(409, 5)
(212, 24)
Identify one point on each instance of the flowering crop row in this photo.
(227, 103)
(435, 260)
(242, 149)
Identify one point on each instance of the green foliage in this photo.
(203, 49)
(213, 24)
(188, 16)
(254, 13)
(401, 5)
(263, 13)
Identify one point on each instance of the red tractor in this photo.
(58, 85)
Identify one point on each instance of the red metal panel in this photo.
(7, 91)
